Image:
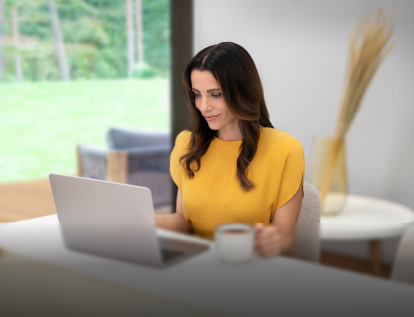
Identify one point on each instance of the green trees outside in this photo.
(94, 36)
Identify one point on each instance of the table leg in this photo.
(375, 256)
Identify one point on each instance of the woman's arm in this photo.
(175, 221)
(277, 238)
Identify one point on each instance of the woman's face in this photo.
(210, 102)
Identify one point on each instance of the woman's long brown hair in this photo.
(242, 90)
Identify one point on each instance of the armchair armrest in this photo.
(92, 161)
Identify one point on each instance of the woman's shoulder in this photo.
(278, 143)
(277, 147)
(183, 138)
(277, 138)
(181, 142)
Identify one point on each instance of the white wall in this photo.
(300, 49)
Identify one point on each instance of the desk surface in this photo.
(261, 287)
(34, 288)
(367, 218)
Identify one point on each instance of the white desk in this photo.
(259, 288)
(366, 218)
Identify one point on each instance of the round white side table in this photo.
(366, 218)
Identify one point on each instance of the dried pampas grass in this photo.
(369, 44)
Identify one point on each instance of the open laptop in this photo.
(114, 220)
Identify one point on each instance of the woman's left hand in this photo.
(267, 240)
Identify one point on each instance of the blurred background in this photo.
(71, 69)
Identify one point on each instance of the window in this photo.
(72, 69)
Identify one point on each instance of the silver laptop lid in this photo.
(104, 218)
(84, 200)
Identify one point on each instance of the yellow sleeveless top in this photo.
(214, 195)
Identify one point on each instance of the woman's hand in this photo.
(267, 240)
(175, 221)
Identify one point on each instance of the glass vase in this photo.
(328, 173)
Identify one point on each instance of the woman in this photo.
(232, 165)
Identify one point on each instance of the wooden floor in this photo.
(20, 201)
(353, 264)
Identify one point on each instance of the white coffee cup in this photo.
(234, 242)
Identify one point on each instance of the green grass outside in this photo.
(42, 122)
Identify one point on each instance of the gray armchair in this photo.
(133, 157)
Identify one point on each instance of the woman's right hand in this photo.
(175, 221)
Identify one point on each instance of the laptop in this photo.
(115, 220)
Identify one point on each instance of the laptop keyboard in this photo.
(169, 254)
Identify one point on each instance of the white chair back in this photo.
(403, 268)
(307, 242)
